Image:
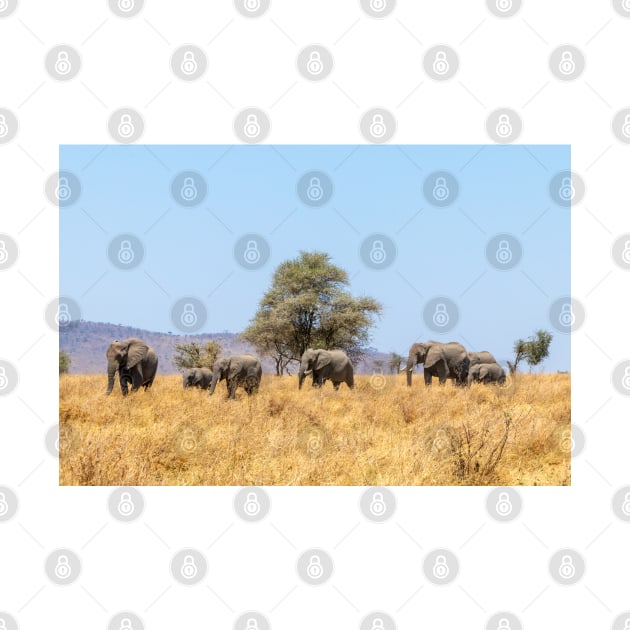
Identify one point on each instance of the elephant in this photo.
(135, 361)
(481, 357)
(197, 377)
(238, 369)
(444, 360)
(324, 365)
(486, 373)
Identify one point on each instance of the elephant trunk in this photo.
(411, 363)
(300, 377)
(112, 366)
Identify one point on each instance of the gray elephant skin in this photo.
(481, 357)
(486, 373)
(197, 377)
(238, 369)
(135, 362)
(333, 365)
(444, 360)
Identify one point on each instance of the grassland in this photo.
(382, 433)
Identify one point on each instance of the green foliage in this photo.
(308, 306)
(189, 355)
(395, 362)
(64, 362)
(533, 350)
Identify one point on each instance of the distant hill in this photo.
(87, 342)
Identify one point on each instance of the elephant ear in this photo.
(136, 353)
(434, 355)
(322, 360)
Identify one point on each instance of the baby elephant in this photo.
(197, 377)
(238, 369)
(486, 373)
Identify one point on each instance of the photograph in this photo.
(309, 315)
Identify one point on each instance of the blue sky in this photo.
(440, 251)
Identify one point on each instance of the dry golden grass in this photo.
(382, 433)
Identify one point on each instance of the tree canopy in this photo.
(64, 362)
(533, 350)
(190, 355)
(308, 306)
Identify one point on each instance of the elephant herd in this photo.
(137, 363)
(452, 361)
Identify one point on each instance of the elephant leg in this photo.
(125, 380)
(232, 385)
(336, 385)
(136, 378)
(428, 377)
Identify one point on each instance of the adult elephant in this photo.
(486, 373)
(481, 357)
(135, 362)
(444, 360)
(238, 369)
(197, 377)
(325, 365)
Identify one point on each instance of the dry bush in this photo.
(386, 435)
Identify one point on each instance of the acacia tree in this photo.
(395, 361)
(64, 362)
(191, 355)
(308, 306)
(533, 350)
